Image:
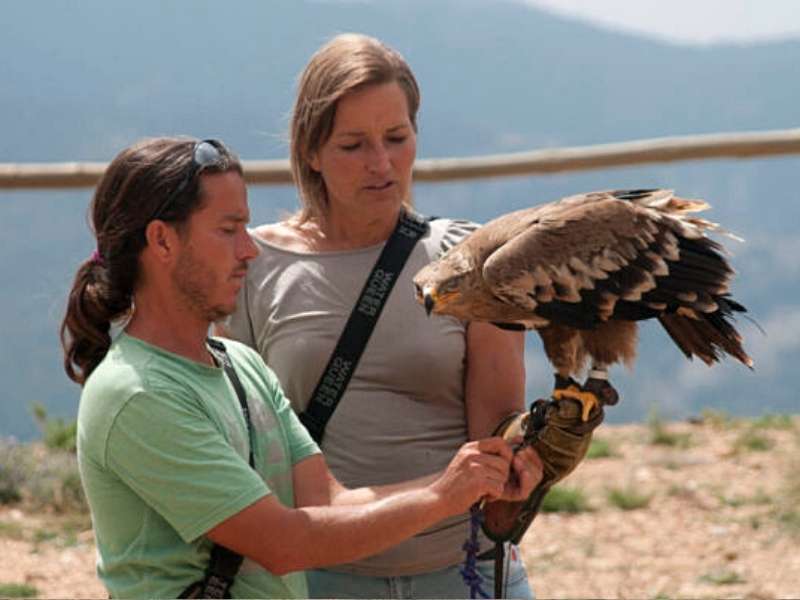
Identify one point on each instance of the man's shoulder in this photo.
(120, 374)
(244, 356)
(237, 350)
(129, 369)
(250, 367)
(114, 383)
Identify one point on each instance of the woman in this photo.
(423, 385)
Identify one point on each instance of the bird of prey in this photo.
(582, 271)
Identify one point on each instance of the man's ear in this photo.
(162, 240)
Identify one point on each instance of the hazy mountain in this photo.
(81, 80)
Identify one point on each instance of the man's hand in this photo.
(526, 473)
(479, 470)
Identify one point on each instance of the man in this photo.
(164, 439)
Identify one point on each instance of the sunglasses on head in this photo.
(206, 153)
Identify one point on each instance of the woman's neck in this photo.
(347, 232)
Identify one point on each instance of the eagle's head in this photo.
(440, 286)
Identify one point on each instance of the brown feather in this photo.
(612, 342)
(563, 348)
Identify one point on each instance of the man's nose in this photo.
(246, 248)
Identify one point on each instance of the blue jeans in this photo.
(445, 583)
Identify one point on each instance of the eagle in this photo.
(582, 271)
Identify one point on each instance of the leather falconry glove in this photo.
(554, 428)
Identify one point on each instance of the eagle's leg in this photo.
(564, 349)
(610, 342)
(598, 384)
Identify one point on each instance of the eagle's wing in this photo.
(628, 254)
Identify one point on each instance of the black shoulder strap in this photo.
(227, 365)
(330, 388)
(223, 563)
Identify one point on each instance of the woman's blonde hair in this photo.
(346, 63)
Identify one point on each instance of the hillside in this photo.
(496, 76)
(720, 518)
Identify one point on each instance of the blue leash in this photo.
(469, 572)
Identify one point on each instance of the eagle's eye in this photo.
(418, 290)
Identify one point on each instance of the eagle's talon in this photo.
(567, 387)
(603, 390)
(588, 400)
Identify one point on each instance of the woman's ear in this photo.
(312, 158)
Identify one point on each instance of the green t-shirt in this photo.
(163, 449)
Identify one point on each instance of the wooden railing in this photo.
(277, 172)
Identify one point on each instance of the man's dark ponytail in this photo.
(93, 304)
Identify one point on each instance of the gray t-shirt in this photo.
(402, 415)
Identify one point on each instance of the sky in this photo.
(688, 21)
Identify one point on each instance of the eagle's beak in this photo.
(429, 302)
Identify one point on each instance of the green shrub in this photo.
(565, 499)
(680, 491)
(787, 510)
(12, 471)
(600, 448)
(673, 465)
(789, 518)
(55, 482)
(57, 434)
(628, 498)
(44, 535)
(663, 437)
(759, 498)
(18, 590)
(754, 441)
(770, 421)
(722, 577)
(660, 435)
(32, 474)
(717, 418)
(11, 530)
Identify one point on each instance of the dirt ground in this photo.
(722, 521)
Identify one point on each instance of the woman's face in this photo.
(367, 161)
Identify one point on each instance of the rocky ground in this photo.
(711, 511)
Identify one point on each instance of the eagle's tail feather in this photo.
(708, 336)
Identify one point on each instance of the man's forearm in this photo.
(316, 533)
(326, 535)
(343, 496)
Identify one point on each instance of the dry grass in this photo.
(718, 515)
(722, 520)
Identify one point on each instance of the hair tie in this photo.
(97, 258)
